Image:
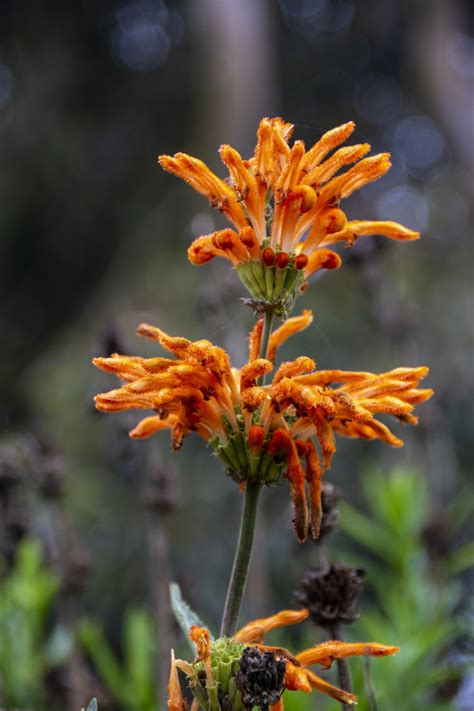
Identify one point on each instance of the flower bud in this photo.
(282, 260)
(268, 257)
(301, 261)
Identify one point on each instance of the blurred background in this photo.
(93, 239)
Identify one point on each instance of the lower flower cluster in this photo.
(262, 432)
(243, 673)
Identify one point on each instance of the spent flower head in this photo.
(331, 594)
(284, 205)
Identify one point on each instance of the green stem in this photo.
(267, 330)
(345, 681)
(242, 558)
(240, 570)
(369, 686)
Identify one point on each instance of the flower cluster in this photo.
(284, 206)
(242, 672)
(261, 432)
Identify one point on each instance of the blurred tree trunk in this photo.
(440, 36)
(236, 43)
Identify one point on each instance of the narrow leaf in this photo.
(185, 617)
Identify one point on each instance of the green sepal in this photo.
(212, 693)
(198, 691)
(270, 284)
(254, 463)
(273, 287)
(280, 279)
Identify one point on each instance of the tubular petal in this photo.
(326, 688)
(203, 249)
(175, 698)
(326, 144)
(289, 328)
(323, 259)
(150, 425)
(325, 653)
(254, 631)
(314, 473)
(255, 340)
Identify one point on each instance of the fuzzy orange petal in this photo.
(325, 687)
(325, 653)
(254, 631)
(289, 328)
(176, 701)
(358, 228)
(255, 340)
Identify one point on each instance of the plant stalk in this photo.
(243, 555)
(369, 686)
(267, 330)
(345, 681)
(242, 559)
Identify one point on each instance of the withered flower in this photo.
(330, 595)
(283, 203)
(260, 432)
(242, 672)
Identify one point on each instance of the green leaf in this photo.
(367, 532)
(138, 648)
(94, 642)
(185, 617)
(460, 560)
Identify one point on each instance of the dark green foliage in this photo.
(131, 680)
(414, 604)
(27, 648)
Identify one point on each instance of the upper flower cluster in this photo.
(262, 432)
(284, 206)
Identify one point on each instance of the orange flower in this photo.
(224, 664)
(283, 204)
(261, 432)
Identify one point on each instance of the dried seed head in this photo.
(331, 594)
(260, 678)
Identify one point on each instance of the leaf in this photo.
(138, 649)
(92, 706)
(460, 560)
(93, 640)
(185, 617)
(59, 646)
(367, 532)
